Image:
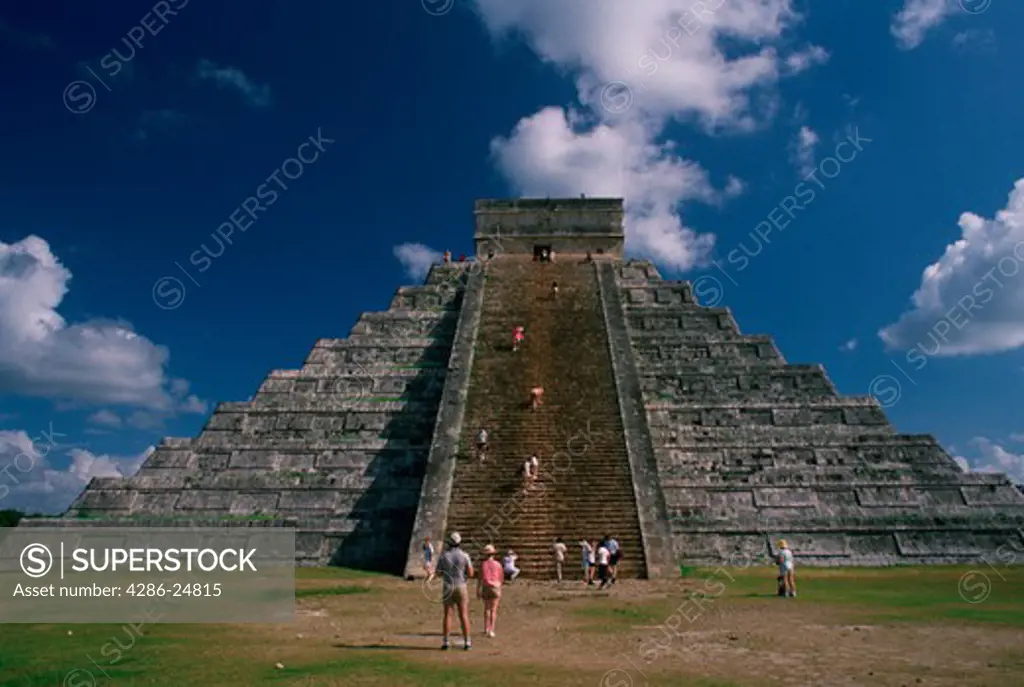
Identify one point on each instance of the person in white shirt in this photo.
(530, 470)
(604, 556)
(481, 444)
(786, 568)
(559, 550)
(587, 551)
(509, 565)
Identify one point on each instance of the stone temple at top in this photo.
(662, 424)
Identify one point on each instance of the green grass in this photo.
(331, 591)
(896, 594)
(237, 655)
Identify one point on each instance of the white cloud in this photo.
(917, 18)
(672, 59)
(638, 66)
(417, 258)
(30, 482)
(803, 150)
(994, 458)
(1016, 437)
(92, 362)
(105, 418)
(233, 78)
(549, 154)
(975, 39)
(971, 300)
(850, 345)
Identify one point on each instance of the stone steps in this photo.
(565, 351)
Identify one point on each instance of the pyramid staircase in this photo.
(584, 488)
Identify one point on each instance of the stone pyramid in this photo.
(725, 447)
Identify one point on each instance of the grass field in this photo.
(950, 626)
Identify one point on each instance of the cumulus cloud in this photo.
(803, 150)
(551, 153)
(850, 345)
(417, 258)
(234, 79)
(991, 457)
(30, 481)
(101, 362)
(971, 300)
(917, 17)
(637, 67)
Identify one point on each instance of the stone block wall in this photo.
(338, 448)
(750, 448)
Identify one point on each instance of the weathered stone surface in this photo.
(337, 449)
(742, 437)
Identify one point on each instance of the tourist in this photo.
(530, 469)
(509, 566)
(517, 337)
(589, 258)
(447, 257)
(592, 561)
(551, 255)
(481, 444)
(428, 559)
(462, 257)
(554, 289)
(615, 555)
(489, 588)
(455, 569)
(786, 568)
(603, 559)
(490, 254)
(535, 397)
(559, 550)
(544, 255)
(587, 560)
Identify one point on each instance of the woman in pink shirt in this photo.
(488, 588)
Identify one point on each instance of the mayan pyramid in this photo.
(662, 424)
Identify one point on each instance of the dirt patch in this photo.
(659, 633)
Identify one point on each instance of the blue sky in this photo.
(132, 133)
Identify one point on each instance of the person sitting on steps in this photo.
(509, 564)
(517, 337)
(554, 289)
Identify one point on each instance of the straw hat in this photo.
(455, 538)
(489, 550)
